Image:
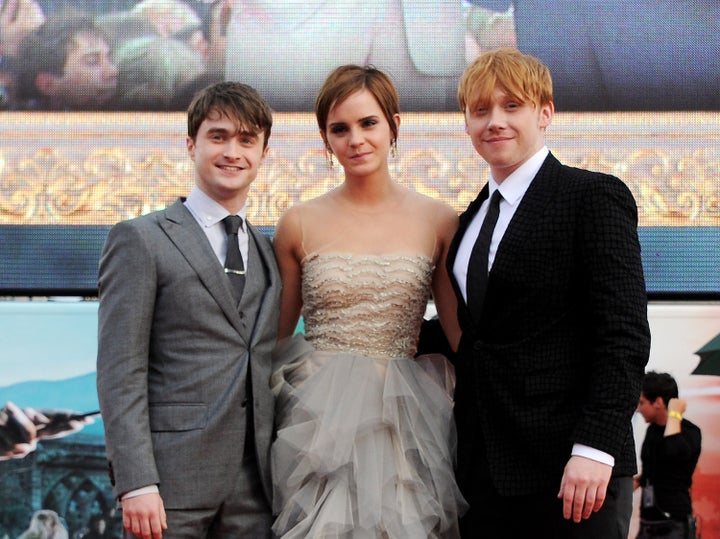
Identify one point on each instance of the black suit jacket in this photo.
(558, 353)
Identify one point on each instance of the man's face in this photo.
(649, 409)
(89, 79)
(226, 159)
(506, 133)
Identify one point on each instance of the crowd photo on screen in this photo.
(153, 55)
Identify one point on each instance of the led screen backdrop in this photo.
(636, 94)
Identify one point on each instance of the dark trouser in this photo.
(665, 529)
(540, 515)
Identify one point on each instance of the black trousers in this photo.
(666, 529)
(540, 515)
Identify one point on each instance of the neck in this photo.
(368, 191)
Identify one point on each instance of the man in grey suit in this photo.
(184, 358)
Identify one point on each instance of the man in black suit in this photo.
(554, 319)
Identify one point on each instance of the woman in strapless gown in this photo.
(365, 441)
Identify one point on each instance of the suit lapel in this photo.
(465, 219)
(271, 294)
(537, 200)
(184, 231)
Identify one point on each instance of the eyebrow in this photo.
(370, 117)
(235, 133)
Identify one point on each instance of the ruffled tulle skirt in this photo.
(365, 447)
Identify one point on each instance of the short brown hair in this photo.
(348, 79)
(239, 102)
(522, 76)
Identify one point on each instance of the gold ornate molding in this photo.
(62, 168)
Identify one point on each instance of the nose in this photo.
(356, 137)
(496, 117)
(109, 69)
(232, 149)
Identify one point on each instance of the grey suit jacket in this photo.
(172, 360)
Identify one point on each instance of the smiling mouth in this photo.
(230, 168)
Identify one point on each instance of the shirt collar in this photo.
(209, 211)
(514, 186)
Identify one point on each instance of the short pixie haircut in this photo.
(523, 77)
(239, 102)
(348, 79)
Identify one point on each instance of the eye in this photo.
(370, 122)
(338, 129)
(92, 59)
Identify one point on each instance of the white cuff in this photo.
(591, 453)
(150, 489)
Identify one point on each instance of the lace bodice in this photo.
(368, 304)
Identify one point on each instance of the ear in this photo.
(547, 112)
(265, 152)
(396, 117)
(190, 144)
(45, 83)
(324, 139)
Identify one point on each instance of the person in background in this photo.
(151, 71)
(120, 27)
(66, 66)
(188, 317)
(421, 42)
(18, 18)
(365, 437)
(97, 528)
(552, 305)
(669, 454)
(175, 19)
(45, 524)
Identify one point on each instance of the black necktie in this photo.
(477, 275)
(234, 267)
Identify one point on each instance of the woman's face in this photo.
(359, 135)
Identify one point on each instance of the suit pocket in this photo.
(177, 417)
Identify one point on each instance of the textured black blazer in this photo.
(558, 351)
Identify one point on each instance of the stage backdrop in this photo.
(636, 96)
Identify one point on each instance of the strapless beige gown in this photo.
(366, 439)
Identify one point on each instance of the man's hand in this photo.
(21, 428)
(17, 19)
(677, 405)
(583, 487)
(144, 516)
(18, 434)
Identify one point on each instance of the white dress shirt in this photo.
(209, 215)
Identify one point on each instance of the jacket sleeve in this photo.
(614, 305)
(127, 284)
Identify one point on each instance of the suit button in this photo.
(243, 403)
(478, 345)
